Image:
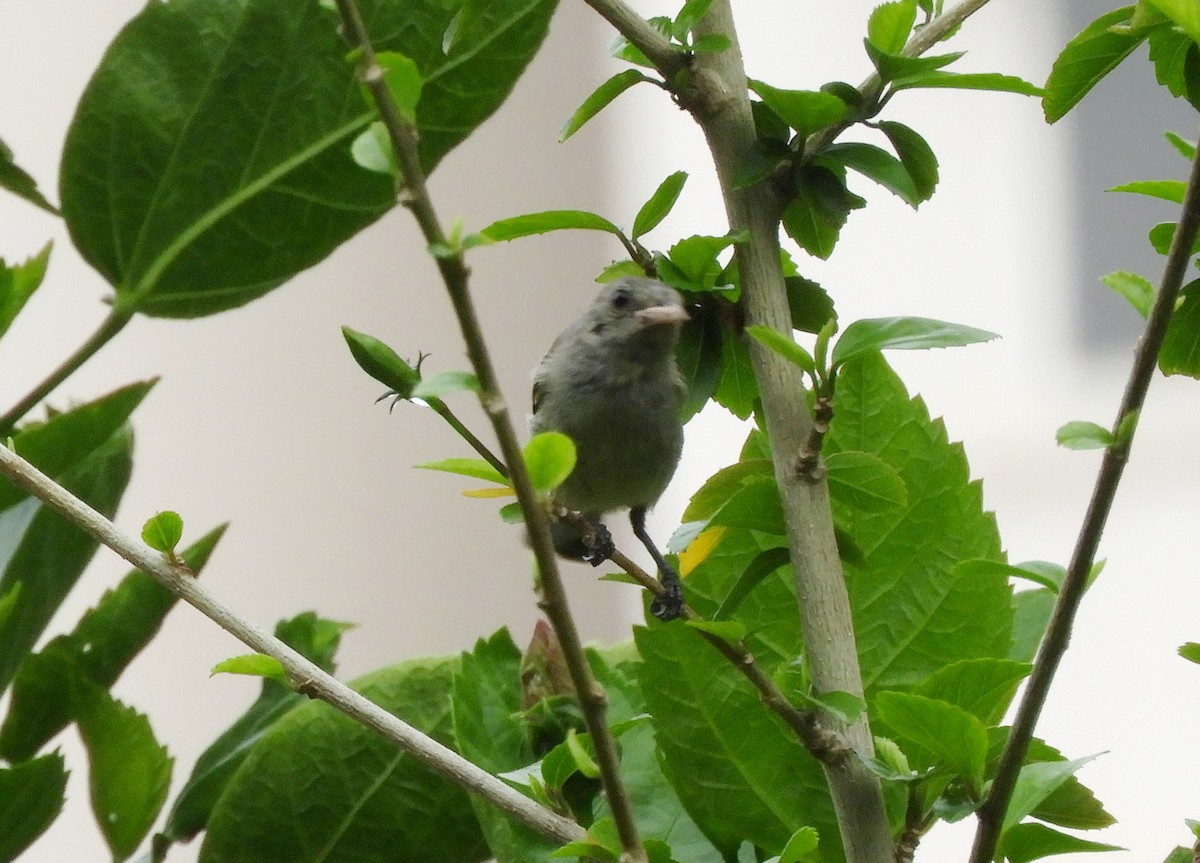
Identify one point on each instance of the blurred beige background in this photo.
(261, 418)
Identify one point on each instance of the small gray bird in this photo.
(611, 384)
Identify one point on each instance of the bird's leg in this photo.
(669, 605)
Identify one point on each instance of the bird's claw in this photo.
(669, 604)
(598, 547)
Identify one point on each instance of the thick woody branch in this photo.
(304, 675)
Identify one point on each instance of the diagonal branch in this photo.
(304, 675)
(453, 269)
(1058, 632)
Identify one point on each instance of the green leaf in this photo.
(543, 223)
(1184, 13)
(801, 847)
(1079, 434)
(99, 648)
(729, 631)
(660, 204)
(982, 687)
(549, 458)
(865, 482)
(914, 611)
(381, 362)
(20, 183)
(1137, 290)
(916, 156)
(1176, 59)
(698, 355)
(689, 15)
(1035, 783)
(444, 384)
(1167, 190)
(314, 638)
(129, 772)
(814, 218)
(783, 345)
(721, 486)
(67, 439)
(737, 389)
(703, 713)
(1032, 610)
(47, 554)
(891, 66)
(599, 100)
(1180, 351)
(953, 736)
(806, 111)
(878, 165)
(253, 665)
(907, 334)
(696, 259)
(31, 797)
(372, 149)
(968, 81)
(403, 80)
(359, 791)
(1184, 148)
(810, 306)
(1085, 61)
(1022, 843)
(17, 284)
(1190, 651)
(890, 23)
(476, 468)
(1073, 805)
(762, 566)
(199, 174)
(162, 531)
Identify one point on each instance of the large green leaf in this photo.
(45, 554)
(490, 733)
(31, 797)
(129, 772)
(104, 642)
(1086, 60)
(914, 613)
(318, 785)
(314, 638)
(704, 713)
(209, 158)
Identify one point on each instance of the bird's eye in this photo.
(621, 299)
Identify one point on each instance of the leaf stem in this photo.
(455, 275)
(1116, 456)
(109, 327)
(304, 675)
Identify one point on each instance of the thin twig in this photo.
(306, 676)
(453, 269)
(1058, 632)
(111, 325)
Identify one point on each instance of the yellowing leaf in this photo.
(699, 549)
(505, 491)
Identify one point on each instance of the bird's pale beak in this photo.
(661, 315)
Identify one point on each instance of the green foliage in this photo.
(162, 532)
(549, 458)
(17, 284)
(31, 796)
(16, 180)
(359, 794)
(186, 182)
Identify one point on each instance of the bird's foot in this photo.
(669, 604)
(599, 546)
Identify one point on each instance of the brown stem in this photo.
(1058, 632)
(455, 275)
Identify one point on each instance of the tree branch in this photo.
(304, 675)
(453, 269)
(111, 325)
(1058, 633)
(668, 59)
(723, 113)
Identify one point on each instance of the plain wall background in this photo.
(261, 417)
